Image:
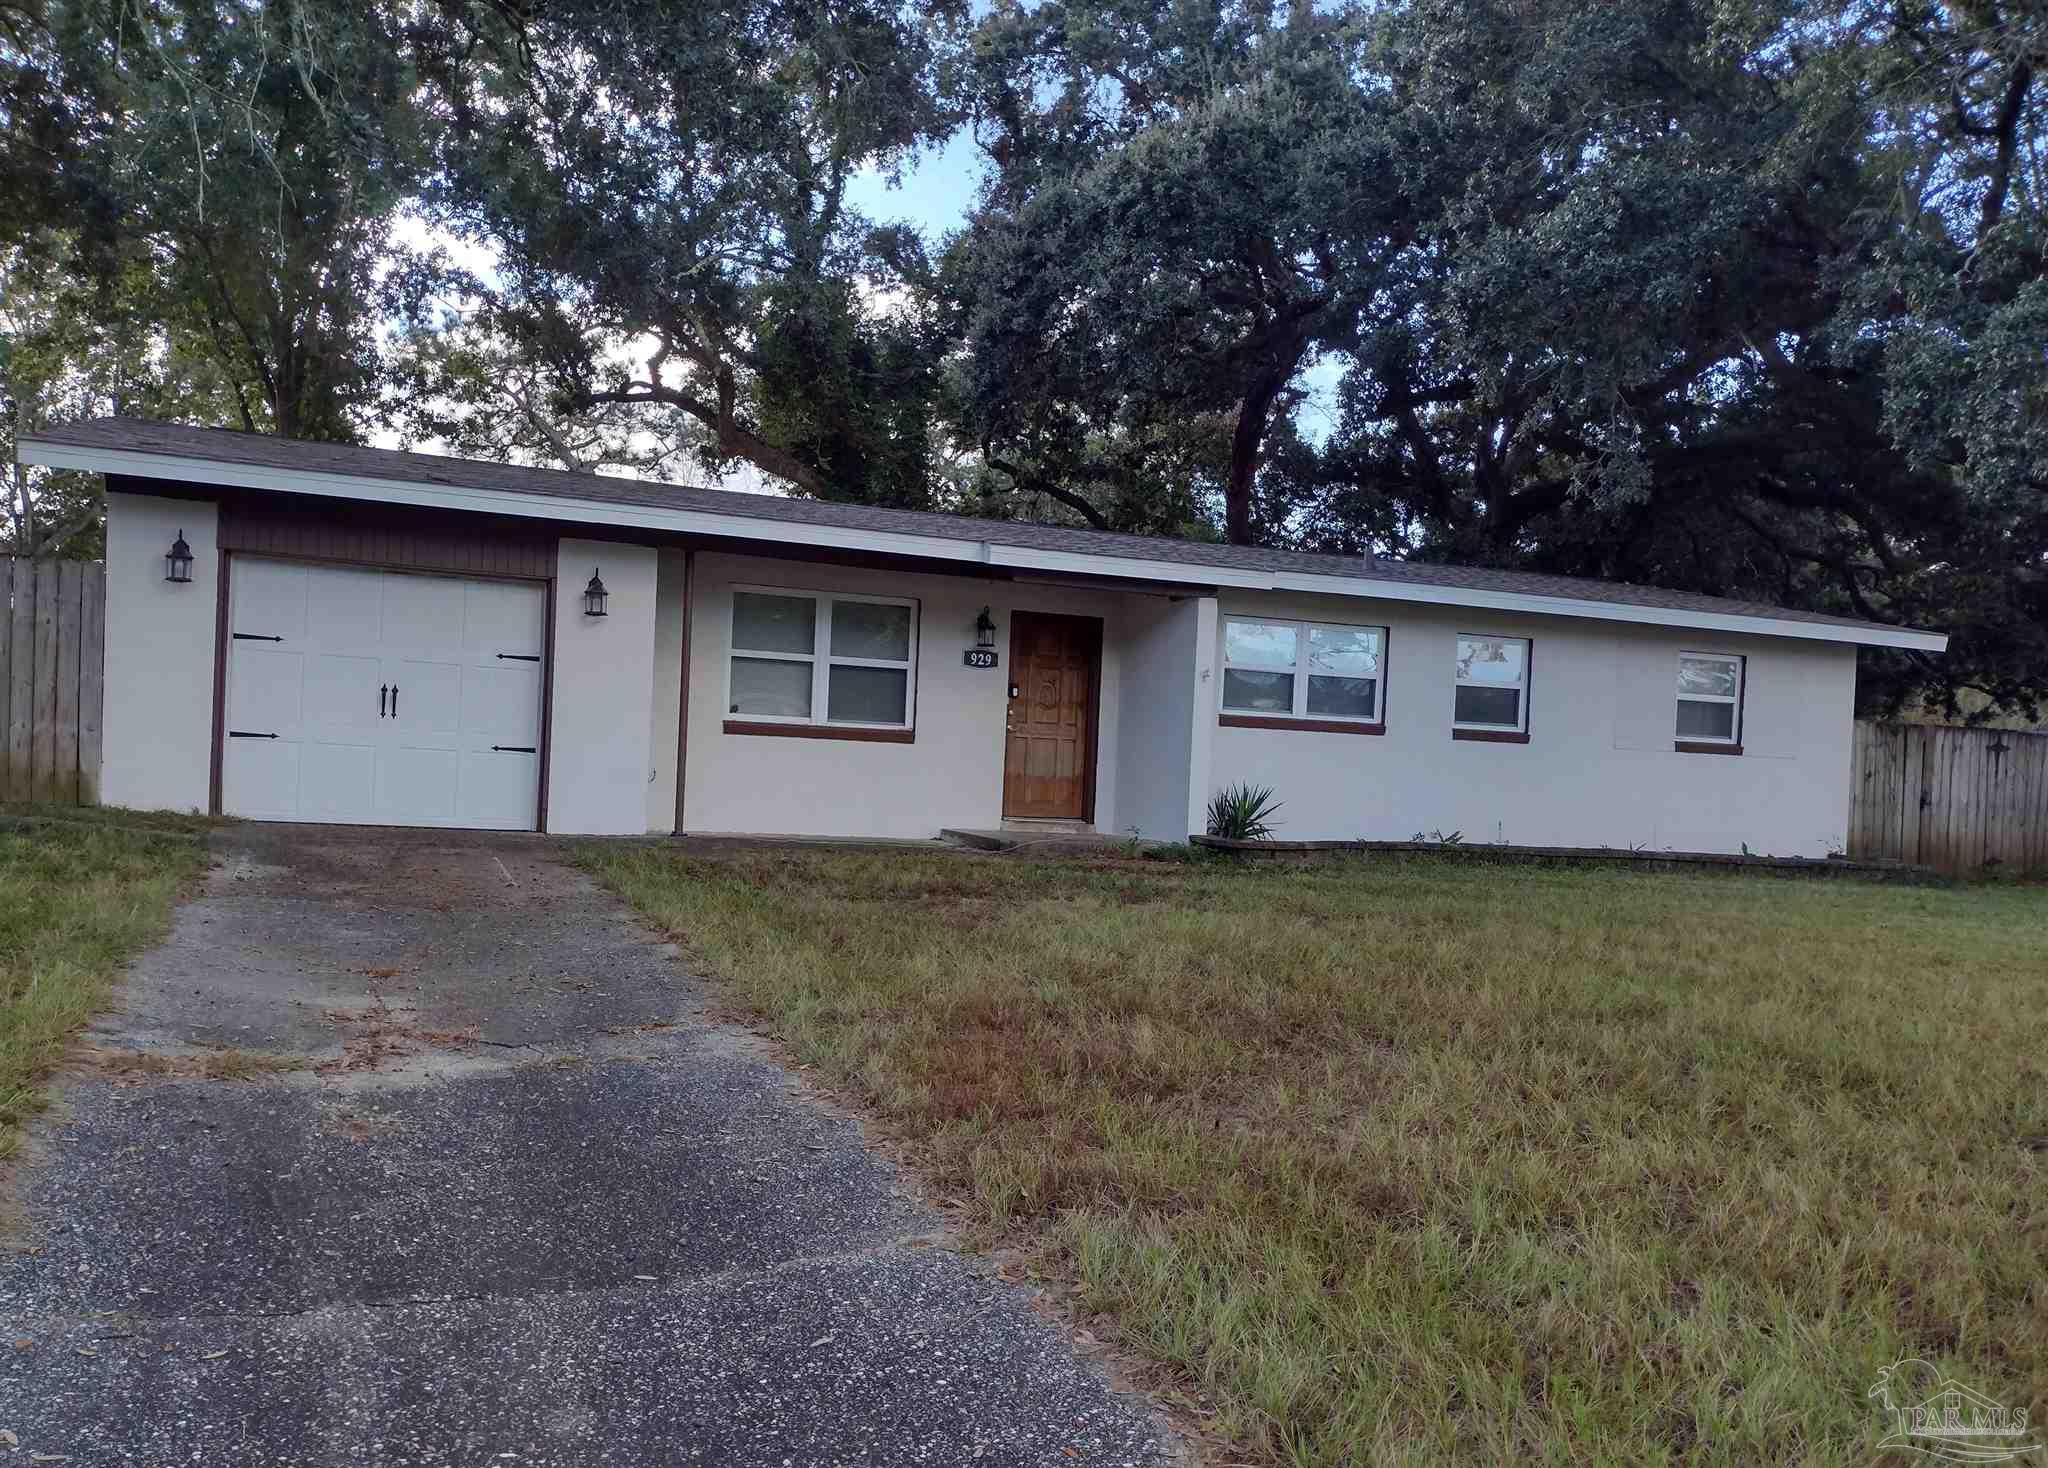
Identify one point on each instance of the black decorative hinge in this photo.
(246, 734)
(255, 637)
(521, 657)
(514, 748)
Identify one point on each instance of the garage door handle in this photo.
(381, 692)
(513, 748)
(394, 700)
(245, 734)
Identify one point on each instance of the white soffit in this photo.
(567, 508)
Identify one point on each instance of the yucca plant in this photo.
(1242, 812)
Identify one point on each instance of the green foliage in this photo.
(1737, 298)
(252, 159)
(673, 176)
(1189, 209)
(79, 894)
(72, 347)
(1242, 812)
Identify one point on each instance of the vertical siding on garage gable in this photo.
(395, 536)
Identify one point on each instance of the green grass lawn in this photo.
(80, 892)
(1429, 1162)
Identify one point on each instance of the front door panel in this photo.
(1048, 757)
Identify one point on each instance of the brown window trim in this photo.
(1492, 736)
(1313, 726)
(1694, 746)
(822, 731)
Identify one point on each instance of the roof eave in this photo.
(993, 552)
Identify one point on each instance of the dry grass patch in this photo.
(184, 1065)
(79, 894)
(1404, 1161)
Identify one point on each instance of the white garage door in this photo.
(382, 697)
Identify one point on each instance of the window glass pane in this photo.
(1706, 675)
(1268, 644)
(1341, 698)
(1499, 708)
(773, 623)
(1705, 720)
(868, 695)
(775, 690)
(1352, 651)
(1258, 693)
(1497, 660)
(865, 629)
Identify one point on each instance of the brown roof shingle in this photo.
(265, 451)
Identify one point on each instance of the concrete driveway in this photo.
(522, 1203)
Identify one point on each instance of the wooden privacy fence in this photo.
(52, 635)
(1958, 800)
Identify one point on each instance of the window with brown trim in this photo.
(1303, 675)
(1491, 696)
(802, 662)
(1710, 702)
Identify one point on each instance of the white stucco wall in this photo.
(157, 729)
(1599, 768)
(600, 762)
(1167, 726)
(952, 775)
(669, 606)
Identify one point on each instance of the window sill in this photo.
(1492, 736)
(1313, 726)
(1694, 746)
(822, 731)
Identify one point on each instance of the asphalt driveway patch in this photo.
(567, 1218)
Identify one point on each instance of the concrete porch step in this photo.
(1048, 838)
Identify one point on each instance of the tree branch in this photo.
(733, 438)
(1037, 484)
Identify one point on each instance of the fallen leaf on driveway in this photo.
(649, 1277)
(213, 1355)
(9, 1438)
(49, 1457)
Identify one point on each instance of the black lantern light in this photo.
(594, 595)
(178, 562)
(984, 629)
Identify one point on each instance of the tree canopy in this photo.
(1738, 296)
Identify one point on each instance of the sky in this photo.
(936, 194)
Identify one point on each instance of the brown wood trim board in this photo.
(1313, 726)
(821, 731)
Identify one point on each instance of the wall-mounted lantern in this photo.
(594, 595)
(983, 653)
(178, 561)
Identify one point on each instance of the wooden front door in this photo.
(1049, 758)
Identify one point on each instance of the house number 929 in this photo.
(979, 657)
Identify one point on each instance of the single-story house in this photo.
(316, 632)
